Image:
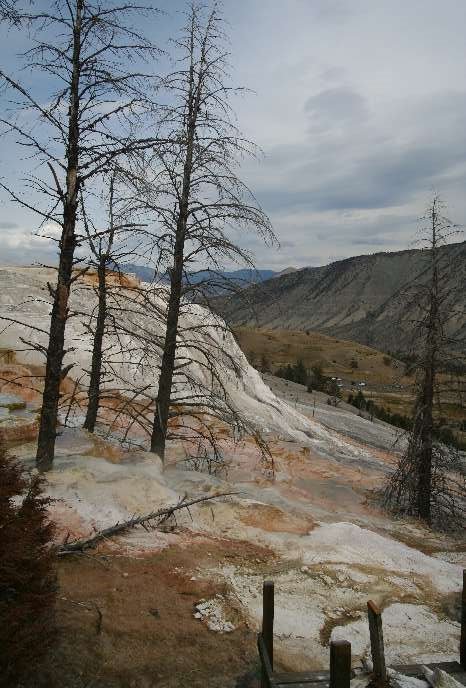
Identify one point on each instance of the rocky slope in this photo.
(360, 298)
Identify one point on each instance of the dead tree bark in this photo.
(56, 345)
(149, 520)
(96, 364)
(108, 250)
(105, 104)
(162, 405)
(424, 477)
(429, 370)
(159, 430)
(103, 258)
(192, 188)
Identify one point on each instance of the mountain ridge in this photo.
(358, 298)
(244, 276)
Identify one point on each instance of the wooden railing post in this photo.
(463, 624)
(340, 664)
(377, 647)
(268, 606)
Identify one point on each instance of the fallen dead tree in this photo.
(149, 521)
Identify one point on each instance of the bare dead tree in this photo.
(98, 113)
(148, 521)
(207, 366)
(9, 12)
(429, 482)
(108, 249)
(191, 185)
(102, 257)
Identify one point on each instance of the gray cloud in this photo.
(364, 123)
(332, 11)
(335, 107)
(358, 120)
(366, 229)
(26, 255)
(373, 167)
(382, 241)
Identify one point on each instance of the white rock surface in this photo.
(412, 633)
(212, 612)
(24, 297)
(349, 543)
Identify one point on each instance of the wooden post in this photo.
(377, 648)
(268, 604)
(340, 664)
(463, 624)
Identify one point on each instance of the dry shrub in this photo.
(27, 573)
(447, 491)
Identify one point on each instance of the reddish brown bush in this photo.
(27, 573)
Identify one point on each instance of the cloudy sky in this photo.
(359, 108)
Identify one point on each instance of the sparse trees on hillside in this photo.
(335, 393)
(294, 373)
(428, 482)
(318, 379)
(265, 364)
(180, 167)
(203, 411)
(192, 188)
(97, 111)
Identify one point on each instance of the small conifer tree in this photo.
(27, 573)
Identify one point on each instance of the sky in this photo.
(359, 107)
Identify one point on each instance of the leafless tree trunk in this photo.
(194, 93)
(96, 363)
(108, 250)
(159, 431)
(106, 104)
(152, 521)
(191, 186)
(60, 294)
(425, 400)
(427, 481)
(103, 258)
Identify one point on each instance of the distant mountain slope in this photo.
(356, 298)
(245, 276)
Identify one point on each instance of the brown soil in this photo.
(23, 429)
(273, 520)
(113, 278)
(128, 622)
(22, 381)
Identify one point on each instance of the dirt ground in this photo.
(128, 622)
